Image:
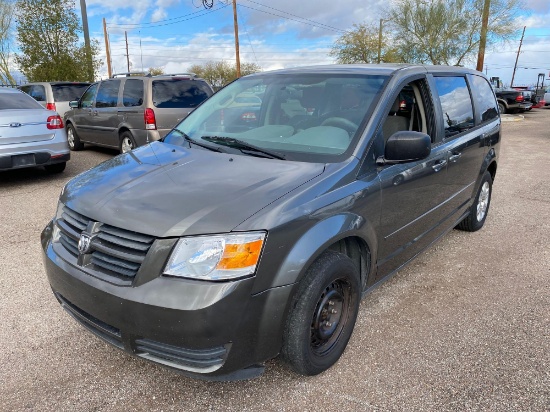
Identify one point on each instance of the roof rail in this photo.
(178, 74)
(128, 74)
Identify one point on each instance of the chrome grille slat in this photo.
(138, 237)
(117, 262)
(118, 252)
(73, 222)
(79, 220)
(68, 243)
(123, 242)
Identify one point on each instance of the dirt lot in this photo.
(464, 327)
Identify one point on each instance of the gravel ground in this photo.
(466, 326)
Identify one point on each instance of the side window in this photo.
(484, 98)
(133, 93)
(87, 98)
(458, 113)
(411, 110)
(107, 95)
(38, 93)
(26, 89)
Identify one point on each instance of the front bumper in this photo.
(216, 331)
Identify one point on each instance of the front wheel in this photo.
(73, 139)
(480, 208)
(322, 315)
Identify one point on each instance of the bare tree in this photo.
(6, 22)
(448, 31)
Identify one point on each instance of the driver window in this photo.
(87, 98)
(409, 111)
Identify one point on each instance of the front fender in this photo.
(311, 244)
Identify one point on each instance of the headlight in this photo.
(220, 257)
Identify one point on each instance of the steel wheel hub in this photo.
(127, 145)
(483, 201)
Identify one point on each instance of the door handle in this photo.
(439, 165)
(454, 157)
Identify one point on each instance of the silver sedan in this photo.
(30, 135)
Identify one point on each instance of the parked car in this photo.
(220, 247)
(30, 135)
(131, 111)
(55, 95)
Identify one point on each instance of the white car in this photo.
(30, 135)
(547, 96)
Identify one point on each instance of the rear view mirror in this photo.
(406, 146)
(73, 104)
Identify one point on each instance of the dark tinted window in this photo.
(179, 93)
(485, 98)
(107, 95)
(133, 93)
(458, 113)
(37, 92)
(88, 96)
(17, 101)
(68, 92)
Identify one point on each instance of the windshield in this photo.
(308, 117)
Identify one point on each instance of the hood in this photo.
(164, 190)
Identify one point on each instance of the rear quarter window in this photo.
(133, 93)
(485, 99)
(456, 103)
(179, 93)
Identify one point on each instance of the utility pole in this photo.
(483, 35)
(107, 48)
(127, 54)
(380, 41)
(87, 40)
(236, 26)
(517, 57)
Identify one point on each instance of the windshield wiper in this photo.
(242, 145)
(193, 141)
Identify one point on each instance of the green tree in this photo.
(360, 45)
(220, 73)
(448, 31)
(6, 22)
(47, 33)
(156, 71)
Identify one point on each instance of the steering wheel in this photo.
(342, 123)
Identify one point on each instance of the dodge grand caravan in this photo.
(237, 239)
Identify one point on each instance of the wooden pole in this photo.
(107, 49)
(517, 57)
(380, 41)
(483, 35)
(127, 54)
(87, 40)
(236, 25)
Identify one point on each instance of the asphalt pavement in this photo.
(466, 326)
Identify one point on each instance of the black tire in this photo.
(322, 315)
(127, 142)
(480, 208)
(72, 138)
(56, 167)
(501, 108)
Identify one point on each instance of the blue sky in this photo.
(175, 34)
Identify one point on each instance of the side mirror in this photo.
(406, 146)
(73, 104)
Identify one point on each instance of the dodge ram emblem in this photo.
(84, 243)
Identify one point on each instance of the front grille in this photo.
(203, 360)
(97, 327)
(115, 252)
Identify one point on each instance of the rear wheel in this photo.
(501, 108)
(56, 167)
(73, 139)
(479, 209)
(322, 315)
(127, 142)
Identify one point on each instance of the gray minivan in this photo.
(253, 231)
(127, 112)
